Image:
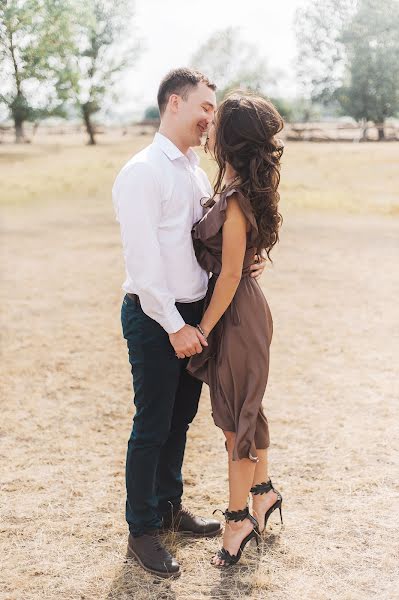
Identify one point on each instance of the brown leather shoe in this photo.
(150, 553)
(183, 521)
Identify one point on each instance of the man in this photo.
(157, 198)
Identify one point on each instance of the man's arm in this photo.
(138, 206)
(138, 201)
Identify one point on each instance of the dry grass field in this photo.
(332, 402)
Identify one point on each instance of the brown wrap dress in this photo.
(235, 364)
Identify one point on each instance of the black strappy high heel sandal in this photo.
(263, 488)
(237, 515)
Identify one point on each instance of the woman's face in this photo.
(211, 138)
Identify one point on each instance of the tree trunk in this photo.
(35, 128)
(19, 131)
(381, 132)
(365, 128)
(89, 125)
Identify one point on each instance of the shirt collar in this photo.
(173, 152)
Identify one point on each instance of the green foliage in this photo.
(34, 37)
(100, 51)
(61, 54)
(152, 113)
(233, 63)
(284, 107)
(303, 110)
(371, 91)
(321, 53)
(349, 53)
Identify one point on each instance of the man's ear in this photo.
(174, 101)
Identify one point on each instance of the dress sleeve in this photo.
(214, 219)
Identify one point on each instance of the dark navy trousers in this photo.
(166, 399)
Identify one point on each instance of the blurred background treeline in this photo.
(62, 62)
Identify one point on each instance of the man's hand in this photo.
(187, 341)
(258, 267)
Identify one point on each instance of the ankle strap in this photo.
(262, 488)
(238, 515)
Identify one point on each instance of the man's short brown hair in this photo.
(180, 81)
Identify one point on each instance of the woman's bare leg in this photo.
(262, 467)
(262, 502)
(241, 475)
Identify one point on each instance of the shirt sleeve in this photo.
(138, 206)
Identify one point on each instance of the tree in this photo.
(284, 107)
(231, 63)
(371, 39)
(320, 61)
(101, 51)
(33, 39)
(349, 52)
(151, 113)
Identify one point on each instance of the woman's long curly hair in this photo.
(246, 126)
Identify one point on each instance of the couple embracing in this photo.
(194, 312)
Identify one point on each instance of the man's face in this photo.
(196, 113)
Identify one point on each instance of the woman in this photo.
(243, 221)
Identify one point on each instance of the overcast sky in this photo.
(172, 30)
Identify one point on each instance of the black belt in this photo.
(136, 300)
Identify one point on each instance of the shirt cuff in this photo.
(173, 322)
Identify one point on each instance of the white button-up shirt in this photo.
(157, 199)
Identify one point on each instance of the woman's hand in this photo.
(258, 267)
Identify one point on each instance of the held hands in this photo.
(187, 341)
(258, 267)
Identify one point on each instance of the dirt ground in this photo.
(66, 413)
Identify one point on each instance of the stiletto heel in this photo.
(263, 488)
(257, 538)
(237, 515)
